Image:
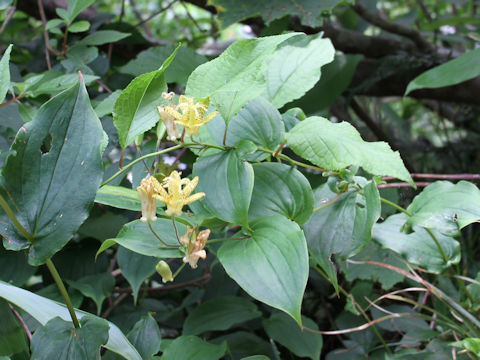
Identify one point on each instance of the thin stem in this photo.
(290, 160)
(158, 237)
(439, 246)
(176, 230)
(129, 165)
(398, 207)
(279, 149)
(440, 176)
(403, 184)
(13, 218)
(327, 203)
(24, 324)
(63, 291)
(13, 99)
(178, 270)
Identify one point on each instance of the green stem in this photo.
(328, 203)
(398, 207)
(63, 291)
(178, 270)
(13, 218)
(158, 237)
(290, 160)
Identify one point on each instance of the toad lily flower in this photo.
(167, 119)
(178, 193)
(189, 114)
(146, 191)
(195, 244)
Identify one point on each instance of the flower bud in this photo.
(164, 271)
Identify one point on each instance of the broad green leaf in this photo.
(58, 339)
(119, 197)
(309, 11)
(280, 189)
(15, 267)
(260, 122)
(446, 207)
(106, 106)
(135, 268)
(97, 287)
(271, 265)
(75, 7)
(292, 117)
(182, 66)
(418, 247)
(295, 68)
(302, 343)
(5, 4)
(101, 37)
(343, 228)
(236, 76)
(463, 68)
(58, 158)
(193, 348)
(256, 357)
(53, 82)
(220, 313)
(135, 110)
(53, 23)
(146, 337)
(5, 73)
(12, 335)
(470, 344)
(137, 237)
(26, 112)
(335, 79)
(336, 146)
(79, 26)
(227, 183)
(44, 310)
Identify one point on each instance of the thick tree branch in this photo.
(394, 28)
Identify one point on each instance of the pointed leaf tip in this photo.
(80, 77)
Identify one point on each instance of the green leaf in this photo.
(336, 146)
(146, 337)
(261, 123)
(182, 66)
(12, 334)
(137, 237)
(470, 344)
(446, 207)
(53, 23)
(97, 287)
(44, 310)
(302, 343)
(119, 197)
(280, 189)
(5, 4)
(135, 268)
(271, 265)
(453, 72)
(295, 68)
(15, 268)
(236, 76)
(53, 82)
(101, 37)
(58, 158)
(26, 112)
(5, 73)
(418, 247)
(256, 357)
(75, 7)
(105, 107)
(79, 26)
(309, 11)
(220, 313)
(193, 348)
(335, 79)
(58, 339)
(227, 183)
(343, 228)
(135, 110)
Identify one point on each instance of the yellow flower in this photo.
(189, 114)
(146, 191)
(195, 244)
(178, 193)
(167, 119)
(164, 271)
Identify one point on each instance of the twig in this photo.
(192, 18)
(440, 176)
(8, 17)
(425, 10)
(196, 282)
(114, 305)
(25, 326)
(158, 12)
(394, 28)
(99, 82)
(402, 184)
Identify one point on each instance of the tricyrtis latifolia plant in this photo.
(247, 202)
